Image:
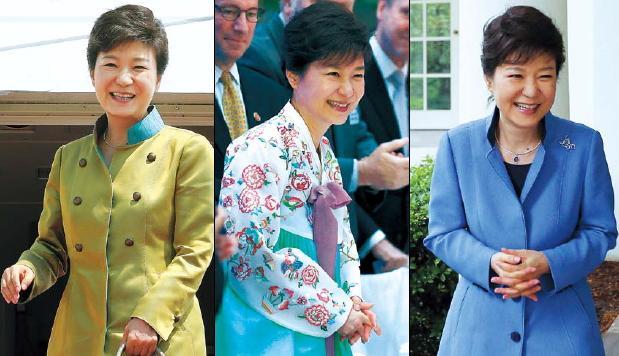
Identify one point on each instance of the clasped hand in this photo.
(519, 271)
(360, 323)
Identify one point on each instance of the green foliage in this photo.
(431, 282)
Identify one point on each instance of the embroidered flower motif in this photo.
(323, 295)
(310, 275)
(317, 315)
(300, 182)
(301, 300)
(227, 202)
(227, 181)
(292, 203)
(291, 265)
(242, 270)
(270, 203)
(249, 200)
(253, 176)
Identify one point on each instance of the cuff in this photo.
(354, 179)
(376, 237)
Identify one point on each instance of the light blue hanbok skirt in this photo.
(241, 330)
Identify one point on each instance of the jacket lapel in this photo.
(222, 136)
(376, 94)
(538, 161)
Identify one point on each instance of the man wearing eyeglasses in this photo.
(243, 97)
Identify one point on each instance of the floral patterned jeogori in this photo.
(268, 176)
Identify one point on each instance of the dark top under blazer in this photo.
(565, 210)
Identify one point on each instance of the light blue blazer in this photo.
(565, 210)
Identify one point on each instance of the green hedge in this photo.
(431, 282)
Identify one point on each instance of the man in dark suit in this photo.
(362, 161)
(261, 97)
(384, 108)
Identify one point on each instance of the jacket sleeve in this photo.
(448, 236)
(192, 240)
(47, 256)
(285, 286)
(596, 232)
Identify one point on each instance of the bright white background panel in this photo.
(62, 66)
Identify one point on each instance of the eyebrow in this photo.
(141, 59)
(519, 68)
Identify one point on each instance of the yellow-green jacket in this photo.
(139, 237)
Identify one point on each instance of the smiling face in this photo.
(125, 79)
(525, 92)
(326, 94)
(232, 38)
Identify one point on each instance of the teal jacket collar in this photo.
(142, 130)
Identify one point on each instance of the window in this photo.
(432, 65)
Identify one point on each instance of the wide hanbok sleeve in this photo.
(286, 286)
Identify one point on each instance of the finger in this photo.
(354, 339)
(366, 333)
(4, 292)
(526, 285)
(378, 330)
(516, 253)
(393, 145)
(524, 274)
(27, 280)
(399, 162)
(509, 259)
(15, 280)
(505, 280)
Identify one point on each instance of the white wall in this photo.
(594, 86)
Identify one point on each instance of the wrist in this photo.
(362, 167)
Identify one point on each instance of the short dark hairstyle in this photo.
(519, 34)
(326, 32)
(126, 24)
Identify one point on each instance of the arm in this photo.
(47, 257)
(448, 236)
(192, 240)
(285, 286)
(596, 231)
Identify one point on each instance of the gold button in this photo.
(151, 157)
(137, 196)
(177, 318)
(83, 162)
(128, 242)
(77, 200)
(79, 247)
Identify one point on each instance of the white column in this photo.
(594, 87)
(472, 89)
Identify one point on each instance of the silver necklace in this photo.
(517, 154)
(109, 144)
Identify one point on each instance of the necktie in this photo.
(326, 198)
(400, 104)
(234, 115)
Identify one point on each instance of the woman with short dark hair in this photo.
(129, 206)
(521, 206)
(295, 281)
